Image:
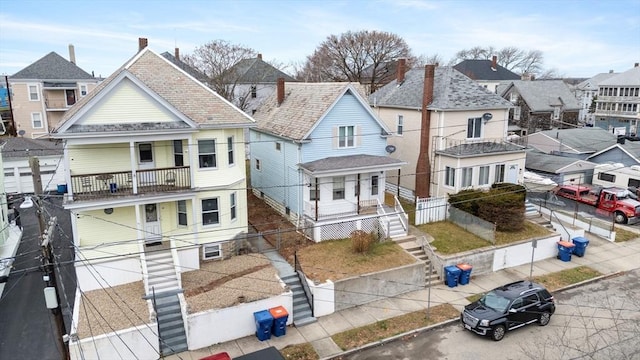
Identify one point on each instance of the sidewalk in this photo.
(604, 256)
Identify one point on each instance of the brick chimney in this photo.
(494, 63)
(423, 166)
(142, 43)
(280, 91)
(259, 56)
(72, 54)
(402, 69)
(176, 53)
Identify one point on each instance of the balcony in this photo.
(470, 147)
(340, 210)
(59, 105)
(123, 183)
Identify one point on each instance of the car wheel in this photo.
(544, 319)
(620, 218)
(498, 332)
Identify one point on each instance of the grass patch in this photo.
(623, 235)
(529, 231)
(335, 260)
(557, 280)
(409, 207)
(449, 238)
(393, 326)
(476, 297)
(300, 352)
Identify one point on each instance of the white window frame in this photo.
(400, 125)
(517, 113)
(339, 192)
(211, 248)
(467, 177)
(474, 128)
(84, 90)
(345, 139)
(499, 173)
(33, 120)
(375, 185)
(182, 212)
(35, 92)
(231, 158)
(178, 153)
(483, 175)
(556, 112)
(215, 211)
(213, 154)
(450, 176)
(313, 194)
(233, 206)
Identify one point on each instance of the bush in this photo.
(361, 242)
(467, 200)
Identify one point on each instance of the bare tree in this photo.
(360, 56)
(425, 59)
(512, 58)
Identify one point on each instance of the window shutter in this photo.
(334, 137)
(358, 135)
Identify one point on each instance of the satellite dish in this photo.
(390, 149)
(21, 132)
(487, 116)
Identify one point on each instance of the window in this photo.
(211, 251)
(210, 212)
(345, 136)
(607, 177)
(474, 127)
(483, 178)
(556, 113)
(33, 93)
(278, 146)
(230, 156)
(36, 120)
(178, 155)
(517, 112)
(450, 176)
(182, 212)
(254, 91)
(232, 201)
(374, 185)
(70, 95)
(145, 152)
(400, 126)
(338, 188)
(258, 165)
(207, 153)
(83, 90)
(634, 183)
(313, 193)
(499, 173)
(530, 299)
(467, 176)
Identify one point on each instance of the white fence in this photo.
(430, 210)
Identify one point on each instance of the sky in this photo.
(578, 38)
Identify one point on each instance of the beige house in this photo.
(451, 131)
(44, 91)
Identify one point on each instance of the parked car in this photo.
(507, 308)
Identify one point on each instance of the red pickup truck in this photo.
(607, 201)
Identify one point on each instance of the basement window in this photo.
(211, 251)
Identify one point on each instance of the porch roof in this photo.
(351, 164)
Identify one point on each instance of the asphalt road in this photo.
(27, 327)
(600, 320)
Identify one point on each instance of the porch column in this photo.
(357, 194)
(316, 200)
(134, 180)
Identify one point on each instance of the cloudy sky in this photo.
(579, 38)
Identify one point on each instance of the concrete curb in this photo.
(447, 322)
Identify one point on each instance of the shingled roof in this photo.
(257, 71)
(52, 67)
(187, 95)
(451, 91)
(21, 147)
(304, 104)
(540, 95)
(482, 70)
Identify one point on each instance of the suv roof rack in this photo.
(507, 286)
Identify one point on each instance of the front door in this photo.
(152, 232)
(512, 174)
(146, 164)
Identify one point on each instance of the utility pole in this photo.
(51, 291)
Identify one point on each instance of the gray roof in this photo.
(540, 95)
(548, 163)
(52, 67)
(303, 106)
(583, 140)
(185, 67)
(203, 106)
(593, 82)
(351, 162)
(21, 147)
(482, 70)
(628, 78)
(451, 91)
(257, 71)
(480, 148)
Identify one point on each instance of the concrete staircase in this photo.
(172, 336)
(161, 270)
(302, 313)
(396, 230)
(530, 210)
(410, 244)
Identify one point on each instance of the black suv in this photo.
(508, 307)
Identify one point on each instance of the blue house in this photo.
(319, 155)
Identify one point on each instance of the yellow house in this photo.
(156, 176)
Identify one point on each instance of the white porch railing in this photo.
(404, 218)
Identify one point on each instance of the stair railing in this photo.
(553, 214)
(404, 219)
(303, 281)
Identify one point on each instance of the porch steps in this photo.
(161, 271)
(172, 336)
(302, 313)
(530, 210)
(396, 229)
(410, 245)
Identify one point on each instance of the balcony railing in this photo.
(480, 146)
(110, 184)
(335, 211)
(56, 105)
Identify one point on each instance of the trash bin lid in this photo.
(580, 240)
(566, 244)
(262, 316)
(464, 267)
(278, 312)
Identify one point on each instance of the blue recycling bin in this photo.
(452, 275)
(565, 249)
(280, 316)
(465, 273)
(113, 187)
(264, 322)
(581, 244)
(62, 188)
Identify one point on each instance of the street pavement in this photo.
(606, 257)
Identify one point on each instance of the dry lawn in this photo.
(299, 352)
(335, 260)
(397, 325)
(560, 279)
